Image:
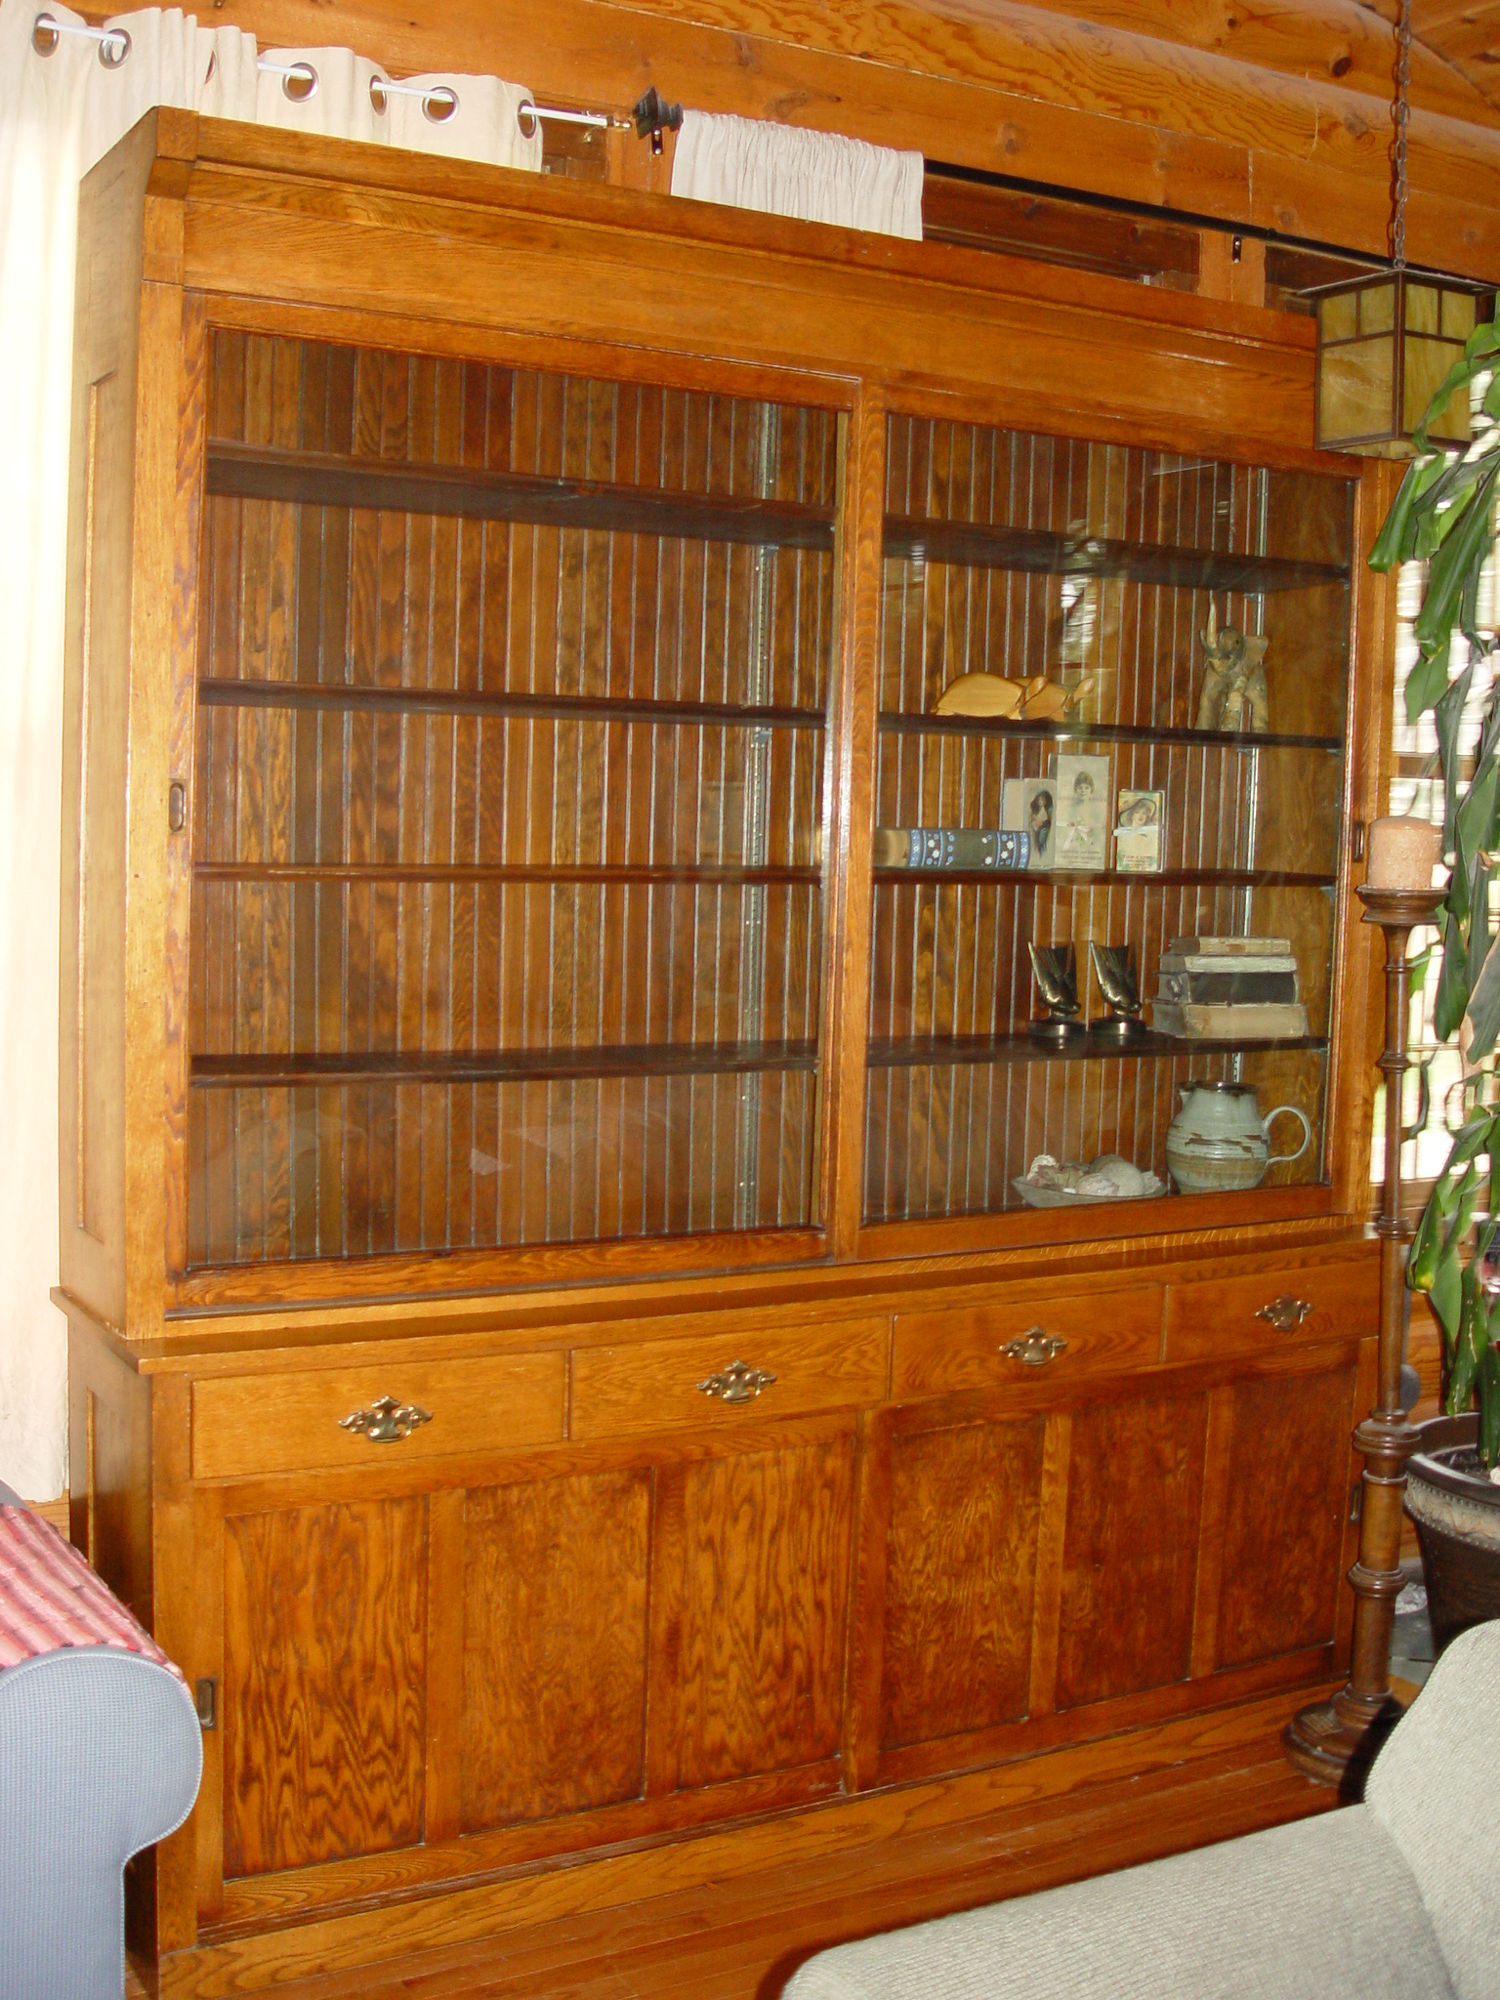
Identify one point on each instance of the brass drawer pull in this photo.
(1034, 1348)
(1285, 1313)
(738, 1383)
(386, 1421)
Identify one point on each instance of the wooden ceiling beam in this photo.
(1013, 89)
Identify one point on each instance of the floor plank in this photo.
(706, 1944)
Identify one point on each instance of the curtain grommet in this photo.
(439, 105)
(299, 83)
(46, 36)
(114, 47)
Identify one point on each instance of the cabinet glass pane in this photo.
(1096, 576)
(507, 909)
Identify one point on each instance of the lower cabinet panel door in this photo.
(750, 1595)
(1130, 1546)
(960, 1579)
(1286, 1513)
(325, 1619)
(554, 1680)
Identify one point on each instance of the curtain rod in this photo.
(299, 81)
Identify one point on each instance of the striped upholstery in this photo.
(49, 1597)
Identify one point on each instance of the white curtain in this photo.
(784, 170)
(58, 114)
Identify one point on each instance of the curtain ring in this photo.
(439, 105)
(114, 47)
(299, 83)
(45, 35)
(524, 110)
(378, 95)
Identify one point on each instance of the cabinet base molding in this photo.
(937, 1846)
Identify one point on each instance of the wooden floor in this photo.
(689, 1946)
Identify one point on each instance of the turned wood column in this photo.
(1335, 1740)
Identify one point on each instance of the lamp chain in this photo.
(1400, 113)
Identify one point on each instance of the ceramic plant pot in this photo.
(1456, 1508)
(1218, 1142)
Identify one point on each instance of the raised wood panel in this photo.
(655, 1385)
(1130, 1547)
(960, 1579)
(554, 1645)
(1224, 1315)
(752, 1675)
(245, 1426)
(936, 1353)
(1289, 1485)
(325, 1614)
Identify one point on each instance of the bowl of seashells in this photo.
(1051, 1183)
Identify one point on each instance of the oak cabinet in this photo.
(566, 1349)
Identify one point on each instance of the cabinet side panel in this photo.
(554, 1647)
(324, 1657)
(1130, 1552)
(765, 1568)
(96, 669)
(961, 1579)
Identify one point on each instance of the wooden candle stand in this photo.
(1335, 1740)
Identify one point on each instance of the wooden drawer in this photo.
(657, 1386)
(244, 1425)
(938, 1353)
(1299, 1302)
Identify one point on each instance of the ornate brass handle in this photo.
(738, 1383)
(386, 1421)
(1034, 1348)
(1285, 1313)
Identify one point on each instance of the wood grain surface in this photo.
(1130, 1546)
(1290, 1481)
(960, 1581)
(324, 1627)
(554, 1646)
(756, 1671)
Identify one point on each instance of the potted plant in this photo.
(1444, 513)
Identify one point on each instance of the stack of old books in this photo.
(1219, 989)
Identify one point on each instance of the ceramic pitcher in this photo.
(1219, 1141)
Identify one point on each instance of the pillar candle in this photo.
(1403, 854)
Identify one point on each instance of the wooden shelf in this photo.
(327, 479)
(484, 701)
(1080, 878)
(978, 546)
(457, 1066)
(895, 724)
(330, 479)
(936, 1051)
(416, 874)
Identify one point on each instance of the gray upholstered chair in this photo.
(1395, 1899)
(100, 1754)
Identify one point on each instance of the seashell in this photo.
(981, 694)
